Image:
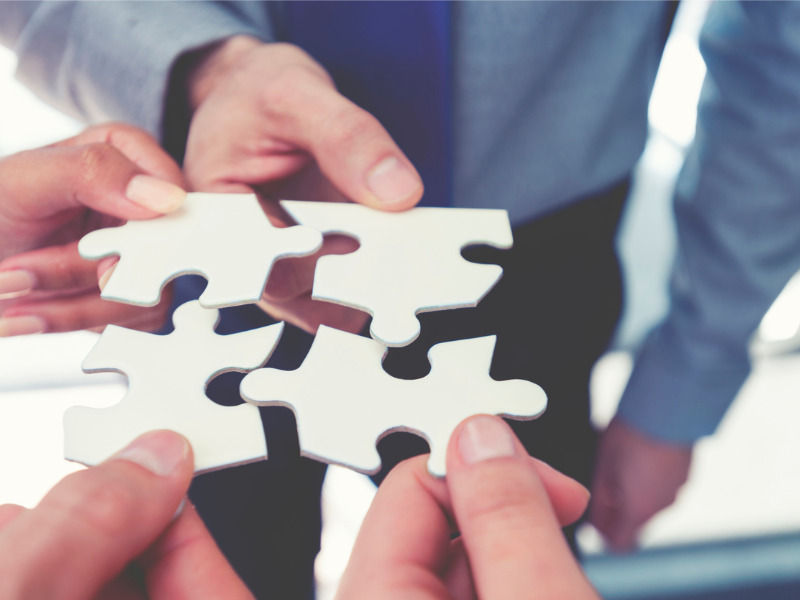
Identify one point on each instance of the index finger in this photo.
(186, 563)
(507, 518)
(46, 182)
(403, 544)
(137, 146)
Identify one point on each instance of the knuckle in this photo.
(93, 163)
(348, 127)
(285, 282)
(107, 132)
(94, 133)
(120, 128)
(129, 137)
(293, 56)
(281, 96)
(298, 73)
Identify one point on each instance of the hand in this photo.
(268, 118)
(111, 531)
(508, 507)
(635, 477)
(50, 198)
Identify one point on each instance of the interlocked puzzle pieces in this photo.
(345, 402)
(408, 262)
(167, 379)
(227, 238)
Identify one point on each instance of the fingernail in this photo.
(392, 181)
(483, 438)
(179, 510)
(160, 452)
(16, 283)
(155, 194)
(101, 283)
(26, 325)
(586, 493)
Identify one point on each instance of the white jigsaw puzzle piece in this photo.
(344, 401)
(167, 380)
(227, 238)
(408, 262)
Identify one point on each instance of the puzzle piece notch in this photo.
(167, 379)
(226, 238)
(344, 401)
(407, 263)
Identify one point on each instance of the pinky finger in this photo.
(55, 268)
(89, 311)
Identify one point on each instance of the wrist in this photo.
(192, 77)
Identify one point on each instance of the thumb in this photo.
(354, 150)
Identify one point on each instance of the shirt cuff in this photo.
(679, 396)
(119, 55)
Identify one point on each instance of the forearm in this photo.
(738, 212)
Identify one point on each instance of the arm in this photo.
(738, 211)
(261, 116)
(103, 61)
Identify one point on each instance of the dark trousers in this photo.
(554, 312)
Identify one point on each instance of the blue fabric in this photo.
(393, 59)
(737, 205)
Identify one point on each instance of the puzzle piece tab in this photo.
(167, 379)
(408, 262)
(344, 401)
(227, 238)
